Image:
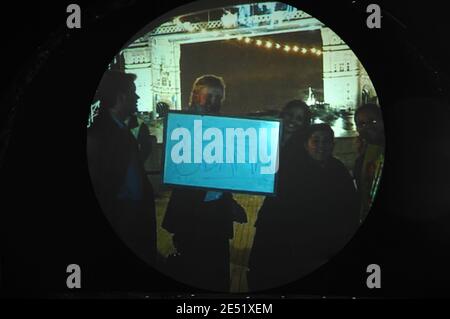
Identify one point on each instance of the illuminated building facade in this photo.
(346, 83)
(155, 56)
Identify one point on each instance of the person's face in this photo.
(320, 146)
(294, 119)
(207, 100)
(370, 127)
(128, 101)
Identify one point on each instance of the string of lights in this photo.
(279, 46)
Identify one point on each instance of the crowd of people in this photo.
(318, 206)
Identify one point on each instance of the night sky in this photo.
(256, 78)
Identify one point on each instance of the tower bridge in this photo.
(155, 56)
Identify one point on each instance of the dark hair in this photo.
(111, 85)
(369, 107)
(210, 81)
(297, 104)
(322, 127)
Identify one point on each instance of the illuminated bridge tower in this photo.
(346, 84)
(155, 56)
(155, 61)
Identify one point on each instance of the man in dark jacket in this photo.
(202, 221)
(116, 169)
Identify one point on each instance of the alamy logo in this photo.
(374, 19)
(230, 145)
(74, 279)
(73, 21)
(374, 279)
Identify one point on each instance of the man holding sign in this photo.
(202, 221)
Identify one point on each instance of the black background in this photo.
(49, 215)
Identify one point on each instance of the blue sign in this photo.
(221, 152)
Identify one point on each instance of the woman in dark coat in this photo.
(312, 217)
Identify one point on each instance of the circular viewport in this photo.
(236, 148)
